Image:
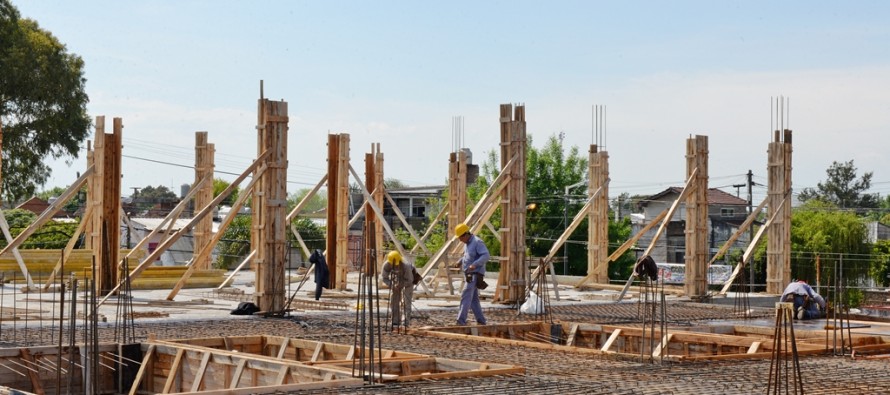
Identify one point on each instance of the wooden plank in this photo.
(755, 347)
(36, 386)
(199, 374)
(174, 371)
(750, 250)
(608, 344)
(665, 340)
(211, 244)
(318, 349)
(570, 341)
(283, 347)
(277, 389)
(239, 371)
(667, 219)
(140, 374)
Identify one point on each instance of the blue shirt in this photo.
(475, 253)
(801, 288)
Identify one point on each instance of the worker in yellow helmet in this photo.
(473, 265)
(398, 275)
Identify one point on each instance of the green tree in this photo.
(72, 205)
(843, 189)
(51, 235)
(219, 185)
(42, 103)
(316, 204)
(818, 229)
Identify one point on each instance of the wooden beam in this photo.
(738, 232)
(15, 251)
(175, 369)
(750, 250)
(627, 244)
(208, 248)
(395, 209)
(84, 220)
(667, 219)
(491, 194)
(140, 374)
(47, 214)
(237, 269)
(429, 229)
(170, 240)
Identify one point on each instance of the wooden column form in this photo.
(513, 272)
(269, 204)
(598, 216)
(204, 166)
(778, 247)
(338, 209)
(105, 196)
(457, 189)
(697, 218)
(374, 182)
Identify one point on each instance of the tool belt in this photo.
(479, 281)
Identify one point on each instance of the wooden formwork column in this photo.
(338, 209)
(374, 229)
(204, 166)
(778, 247)
(514, 272)
(598, 217)
(105, 196)
(269, 206)
(457, 189)
(697, 218)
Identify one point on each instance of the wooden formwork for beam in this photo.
(724, 342)
(269, 364)
(457, 189)
(697, 253)
(778, 248)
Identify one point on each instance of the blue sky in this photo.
(396, 72)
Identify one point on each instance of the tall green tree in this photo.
(819, 229)
(42, 103)
(843, 189)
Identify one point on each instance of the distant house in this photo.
(178, 254)
(37, 206)
(725, 214)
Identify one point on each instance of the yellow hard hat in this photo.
(394, 257)
(460, 229)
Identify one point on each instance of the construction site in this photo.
(107, 320)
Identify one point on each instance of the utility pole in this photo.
(750, 228)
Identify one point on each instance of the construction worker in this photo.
(807, 303)
(473, 265)
(398, 275)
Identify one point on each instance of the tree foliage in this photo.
(220, 185)
(51, 235)
(819, 229)
(74, 203)
(842, 188)
(42, 103)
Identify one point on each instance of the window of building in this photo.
(727, 212)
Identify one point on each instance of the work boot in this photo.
(800, 313)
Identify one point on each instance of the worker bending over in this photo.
(807, 303)
(399, 277)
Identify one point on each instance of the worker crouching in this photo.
(399, 277)
(807, 303)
